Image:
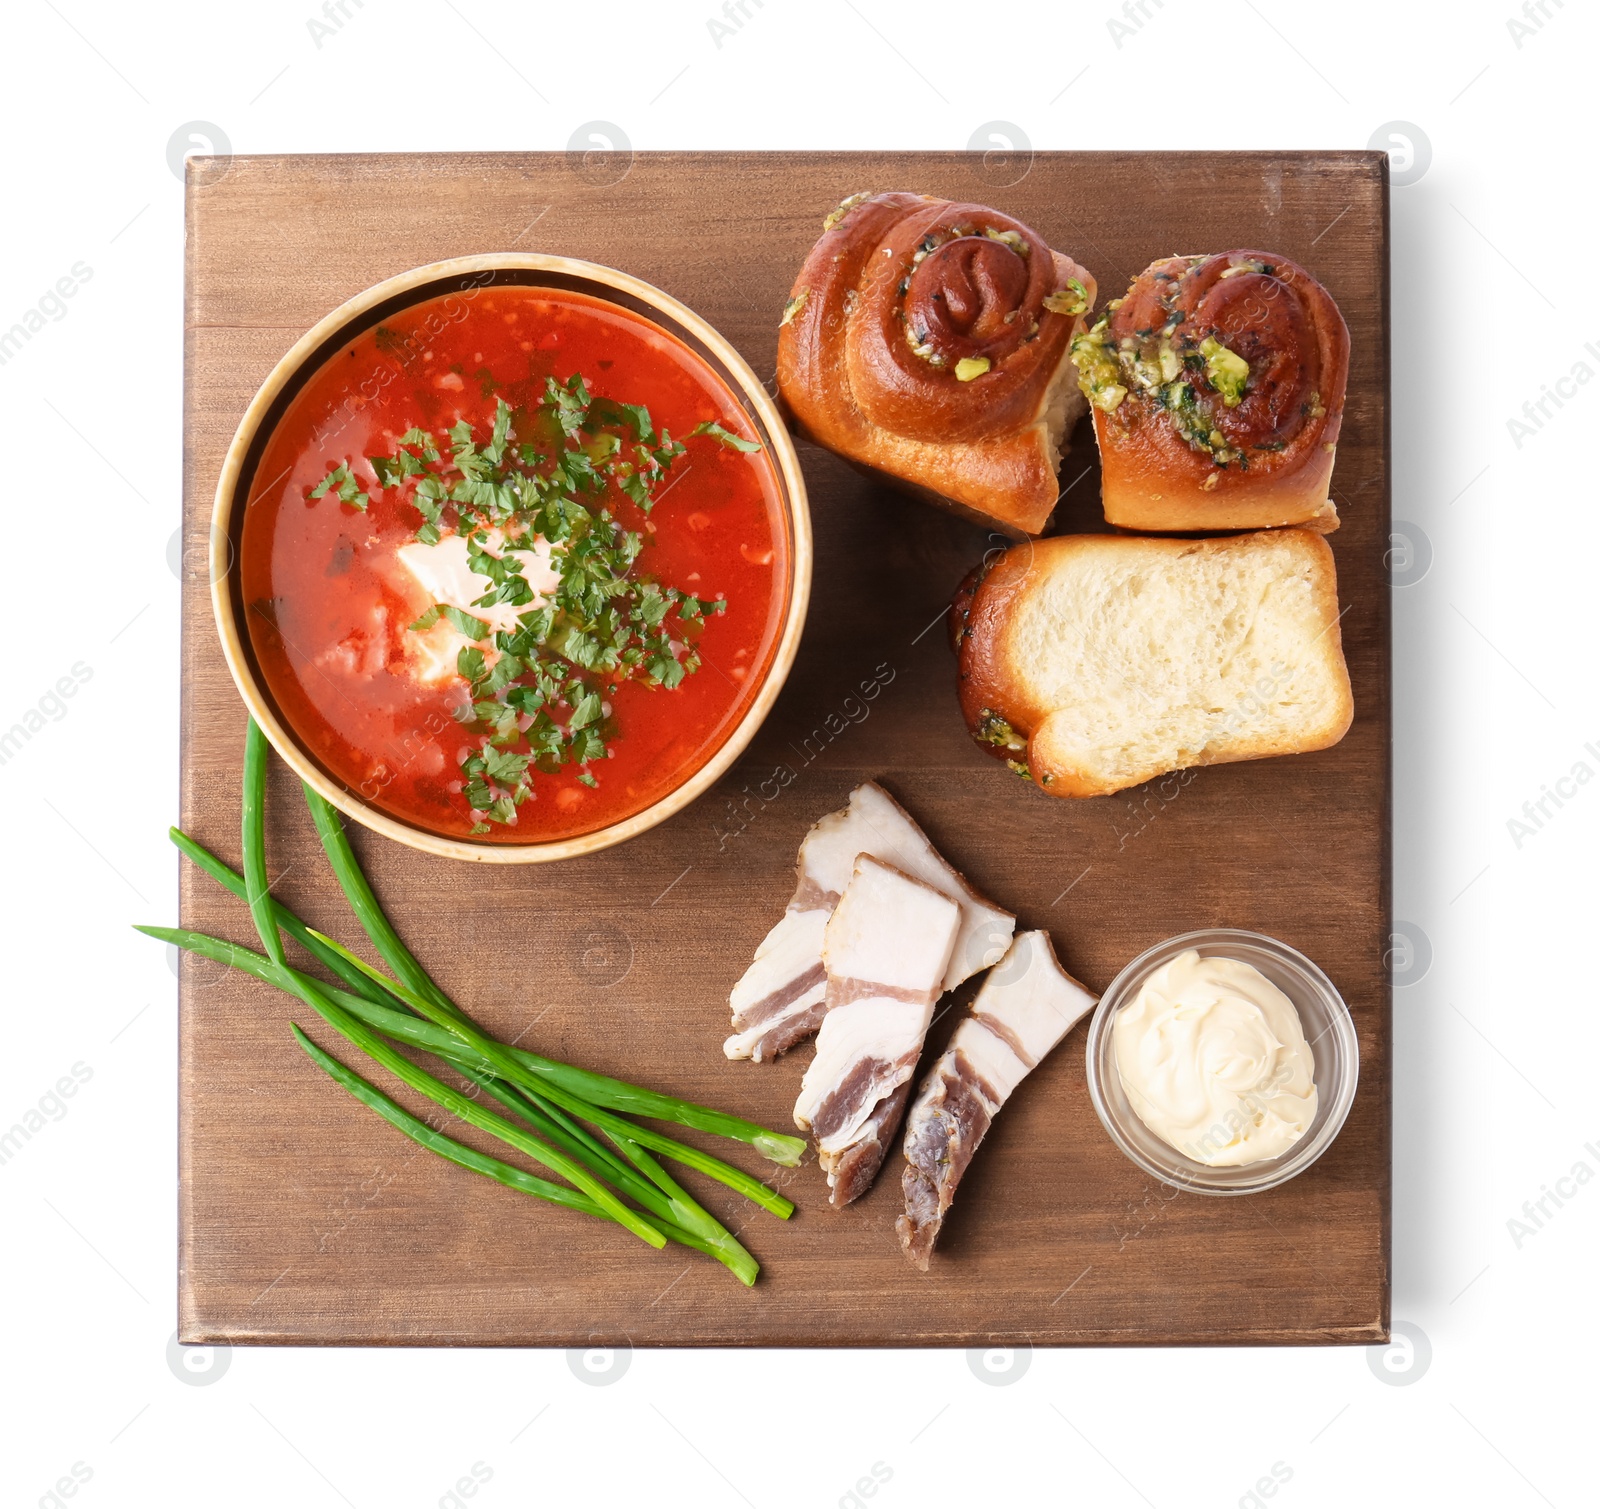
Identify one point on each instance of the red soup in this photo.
(514, 565)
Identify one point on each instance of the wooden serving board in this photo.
(305, 1219)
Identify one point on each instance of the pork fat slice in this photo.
(781, 998)
(886, 949)
(1026, 1006)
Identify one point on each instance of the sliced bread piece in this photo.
(1093, 663)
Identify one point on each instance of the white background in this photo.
(1495, 698)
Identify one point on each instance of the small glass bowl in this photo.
(1324, 1017)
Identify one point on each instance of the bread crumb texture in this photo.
(1148, 658)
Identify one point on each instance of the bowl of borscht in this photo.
(511, 557)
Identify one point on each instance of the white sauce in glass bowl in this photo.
(1213, 1058)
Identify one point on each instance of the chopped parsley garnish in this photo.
(539, 693)
(727, 437)
(343, 486)
(464, 623)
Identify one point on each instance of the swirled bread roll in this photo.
(929, 342)
(1217, 385)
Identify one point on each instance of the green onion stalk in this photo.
(555, 1105)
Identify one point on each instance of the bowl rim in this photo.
(747, 387)
(1338, 1098)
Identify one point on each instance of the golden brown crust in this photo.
(899, 292)
(982, 607)
(1269, 457)
(999, 701)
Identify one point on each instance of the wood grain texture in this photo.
(304, 1219)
